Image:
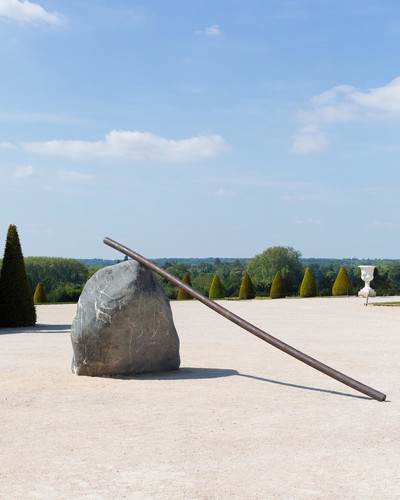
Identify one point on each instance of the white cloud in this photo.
(329, 96)
(213, 30)
(339, 112)
(308, 222)
(384, 99)
(343, 103)
(26, 171)
(309, 139)
(381, 226)
(287, 198)
(225, 193)
(28, 12)
(134, 146)
(259, 183)
(69, 175)
(5, 144)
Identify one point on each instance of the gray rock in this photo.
(123, 324)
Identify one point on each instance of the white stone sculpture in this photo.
(367, 275)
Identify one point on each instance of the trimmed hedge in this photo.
(308, 286)
(216, 290)
(246, 291)
(278, 287)
(182, 294)
(39, 297)
(342, 285)
(16, 298)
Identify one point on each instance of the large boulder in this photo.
(123, 324)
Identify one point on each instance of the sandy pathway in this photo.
(239, 420)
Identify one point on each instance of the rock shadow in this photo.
(38, 328)
(185, 373)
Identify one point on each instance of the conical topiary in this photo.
(16, 299)
(182, 294)
(342, 285)
(216, 290)
(278, 287)
(39, 297)
(308, 286)
(246, 288)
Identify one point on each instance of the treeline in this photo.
(63, 279)
(386, 276)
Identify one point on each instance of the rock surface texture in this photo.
(123, 324)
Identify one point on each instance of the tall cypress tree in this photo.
(246, 288)
(16, 299)
(182, 294)
(216, 290)
(278, 287)
(308, 286)
(342, 285)
(39, 297)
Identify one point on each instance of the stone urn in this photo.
(367, 275)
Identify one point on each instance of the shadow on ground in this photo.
(189, 373)
(38, 328)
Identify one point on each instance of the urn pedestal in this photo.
(367, 275)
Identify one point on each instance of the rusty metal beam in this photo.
(314, 363)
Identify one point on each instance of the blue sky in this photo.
(201, 128)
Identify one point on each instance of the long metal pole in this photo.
(314, 363)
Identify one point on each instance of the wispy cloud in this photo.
(287, 198)
(309, 138)
(381, 225)
(5, 144)
(226, 193)
(308, 222)
(261, 183)
(383, 99)
(69, 175)
(329, 96)
(213, 30)
(26, 171)
(134, 146)
(28, 12)
(343, 103)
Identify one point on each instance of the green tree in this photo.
(39, 297)
(246, 288)
(177, 268)
(55, 273)
(308, 286)
(278, 287)
(263, 268)
(342, 285)
(202, 283)
(170, 290)
(328, 279)
(16, 298)
(216, 290)
(66, 293)
(182, 294)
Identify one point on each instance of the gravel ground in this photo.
(239, 420)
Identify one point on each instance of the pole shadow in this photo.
(304, 387)
(196, 373)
